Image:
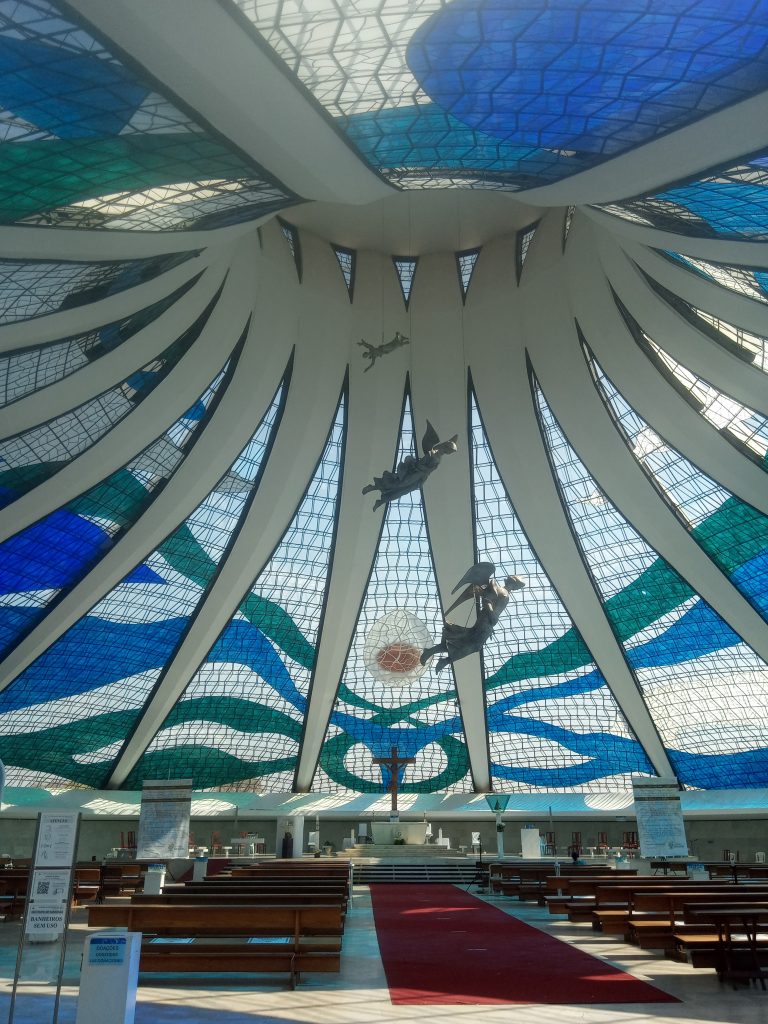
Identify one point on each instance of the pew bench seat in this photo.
(226, 938)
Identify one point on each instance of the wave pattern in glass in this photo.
(421, 718)
(86, 143)
(68, 714)
(706, 690)
(552, 721)
(40, 452)
(728, 203)
(85, 529)
(732, 532)
(514, 93)
(239, 721)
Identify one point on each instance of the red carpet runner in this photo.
(440, 944)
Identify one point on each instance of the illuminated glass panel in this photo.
(751, 348)
(567, 223)
(421, 718)
(742, 426)
(85, 143)
(465, 264)
(744, 280)
(552, 721)
(40, 452)
(347, 263)
(30, 288)
(514, 93)
(524, 239)
(239, 721)
(732, 532)
(706, 690)
(405, 266)
(291, 235)
(729, 203)
(53, 554)
(69, 713)
(31, 369)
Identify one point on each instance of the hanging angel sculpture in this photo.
(373, 352)
(412, 472)
(492, 598)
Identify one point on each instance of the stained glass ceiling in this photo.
(193, 576)
(514, 93)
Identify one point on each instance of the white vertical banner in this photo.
(659, 813)
(166, 806)
(43, 936)
(47, 907)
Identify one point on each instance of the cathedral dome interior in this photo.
(257, 256)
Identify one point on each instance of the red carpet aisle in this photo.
(439, 944)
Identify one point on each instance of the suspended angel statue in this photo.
(412, 472)
(373, 352)
(493, 598)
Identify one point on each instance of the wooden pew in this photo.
(313, 936)
(241, 897)
(658, 932)
(615, 906)
(564, 890)
(532, 883)
(13, 891)
(742, 939)
(292, 886)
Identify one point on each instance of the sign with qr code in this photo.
(47, 899)
(107, 949)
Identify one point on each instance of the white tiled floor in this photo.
(358, 995)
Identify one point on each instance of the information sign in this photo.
(107, 949)
(164, 818)
(56, 837)
(660, 824)
(47, 902)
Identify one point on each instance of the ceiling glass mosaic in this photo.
(515, 93)
(180, 413)
(86, 142)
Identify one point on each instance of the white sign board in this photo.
(660, 824)
(56, 837)
(47, 898)
(164, 818)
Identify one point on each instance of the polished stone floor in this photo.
(358, 995)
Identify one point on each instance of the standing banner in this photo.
(660, 824)
(46, 911)
(166, 806)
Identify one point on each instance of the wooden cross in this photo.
(393, 762)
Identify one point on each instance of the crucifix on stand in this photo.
(394, 763)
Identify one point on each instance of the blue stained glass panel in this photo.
(57, 551)
(552, 721)
(86, 691)
(705, 688)
(239, 720)
(419, 716)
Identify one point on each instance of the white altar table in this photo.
(413, 832)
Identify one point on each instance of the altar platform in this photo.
(416, 853)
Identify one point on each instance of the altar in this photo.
(413, 832)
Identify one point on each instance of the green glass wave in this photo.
(40, 176)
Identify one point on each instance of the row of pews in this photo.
(277, 916)
(719, 923)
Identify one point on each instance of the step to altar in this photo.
(406, 851)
